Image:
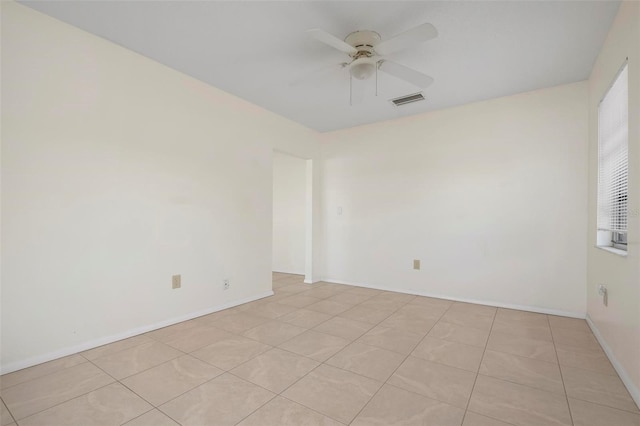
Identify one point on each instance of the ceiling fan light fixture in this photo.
(362, 70)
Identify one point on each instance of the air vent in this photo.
(416, 97)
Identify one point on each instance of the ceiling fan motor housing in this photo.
(365, 49)
(363, 66)
(363, 41)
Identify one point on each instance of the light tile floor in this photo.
(327, 354)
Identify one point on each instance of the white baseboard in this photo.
(289, 272)
(536, 309)
(39, 359)
(631, 387)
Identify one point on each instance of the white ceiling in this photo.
(255, 50)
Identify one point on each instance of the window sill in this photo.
(619, 252)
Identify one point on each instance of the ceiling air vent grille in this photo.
(416, 97)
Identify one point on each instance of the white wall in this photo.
(289, 204)
(491, 197)
(619, 322)
(117, 173)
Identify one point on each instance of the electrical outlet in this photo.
(416, 264)
(225, 284)
(175, 282)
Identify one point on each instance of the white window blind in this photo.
(613, 148)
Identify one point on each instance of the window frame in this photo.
(613, 240)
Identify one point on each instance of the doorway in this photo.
(289, 245)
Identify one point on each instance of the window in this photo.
(613, 150)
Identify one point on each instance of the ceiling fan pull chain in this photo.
(376, 79)
(350, 90)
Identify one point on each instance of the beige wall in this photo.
(618, 323)
(490, 196)
(117, 173)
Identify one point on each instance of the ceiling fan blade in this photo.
(405, 73)
(318, 74)
(332, 41)
(407, 39)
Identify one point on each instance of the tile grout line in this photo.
(539, 389)
(229, 371)
(13, 419)
(637, 413)
(317, 331)
(17, 421)
(332, 317)
(523, 385)
(386, 382)
(574, 350)
(157, 407)
(310, 310)
(296, 381)
(311, 409)
(137, 417)
(60, 403)
(204, 383)
(564, 387)
(146, 369)
(154, 406)
(466, 409)
(276, 394)
(324, 363)
(44, 375)
(283, 322)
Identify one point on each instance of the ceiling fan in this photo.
(367, 54)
